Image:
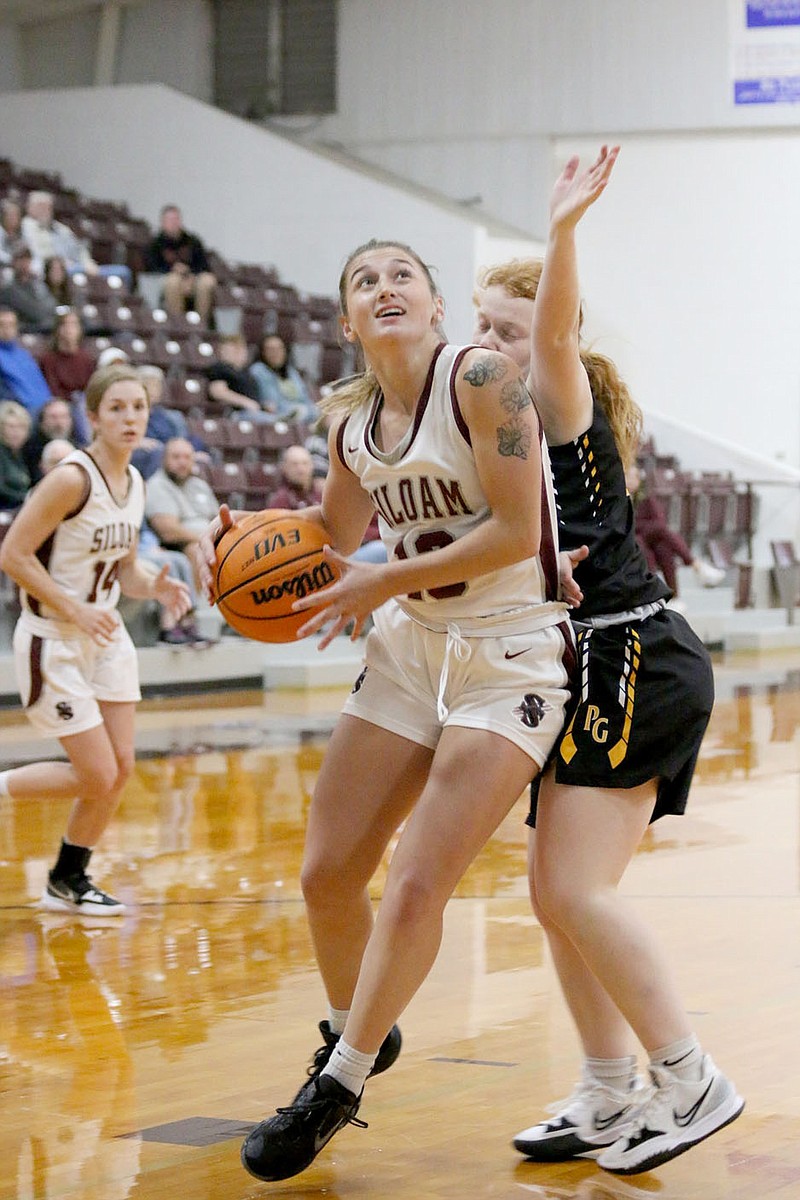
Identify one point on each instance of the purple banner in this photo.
(772, 13)
(767, 91)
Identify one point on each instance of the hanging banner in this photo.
(765, 51)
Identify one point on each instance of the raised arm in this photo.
(557, 379)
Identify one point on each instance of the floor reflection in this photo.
(132, 1053)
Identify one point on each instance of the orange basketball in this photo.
(264, 563)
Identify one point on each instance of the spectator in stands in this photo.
(181, 257)
(229, 381)
(10, 229)
(48, 237)
(662, 546)
(56, 277)
(163, 423)
(68, 366)
(299, 488)
(54, 423)
(15, 481)
(281, 389)
(53, 453)
(28, 295)
(179, 504)
(21, 377)
(111, 354)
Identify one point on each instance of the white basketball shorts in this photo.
(61, 680)
(416, 682)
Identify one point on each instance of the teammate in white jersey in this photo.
(72, 550)
(465, 664)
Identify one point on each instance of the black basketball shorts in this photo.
(644, 694)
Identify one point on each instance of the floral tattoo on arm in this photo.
(488, 370)
(513, 437)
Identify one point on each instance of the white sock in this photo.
(683, 1058)
(4, 783)
(337, 1019)
(617, 1073)
(350, 1067)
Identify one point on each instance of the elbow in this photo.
(555, 336)
(9, 563)
(527, 539)
(521, 543)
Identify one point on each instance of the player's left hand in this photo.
(360, 589)
(573, 193)
(172, 594)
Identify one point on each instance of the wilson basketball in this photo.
(264, 563)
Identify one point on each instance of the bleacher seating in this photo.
(251, 297)
(702, 506)
(261, 480)
(229, 483)
(786, 576)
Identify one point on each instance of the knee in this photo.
(326, 880)
(315, 878)
(412, 899)
(204, 285)
(560, 902)
(125, 765)
(97, 781)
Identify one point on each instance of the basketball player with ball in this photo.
(468, 661)
(72, 550)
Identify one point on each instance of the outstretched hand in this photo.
(360, 589)
(172, 594)
(574, 192)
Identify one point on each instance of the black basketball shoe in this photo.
(79, 895)
(289, 1142)
(387, 1055)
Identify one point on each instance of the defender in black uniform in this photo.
(630, 744)
(646, 687)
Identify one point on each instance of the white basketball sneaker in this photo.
(678, 1116)
(594, 1116)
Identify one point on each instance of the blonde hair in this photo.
(347, 395)
(10, 408)
(520, 278)
(105, 377)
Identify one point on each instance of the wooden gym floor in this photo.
(133, 1055)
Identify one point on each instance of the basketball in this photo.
(264, 563)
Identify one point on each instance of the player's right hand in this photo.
(99, 623)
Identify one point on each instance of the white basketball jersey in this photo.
(83, 552)
(427, 494)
